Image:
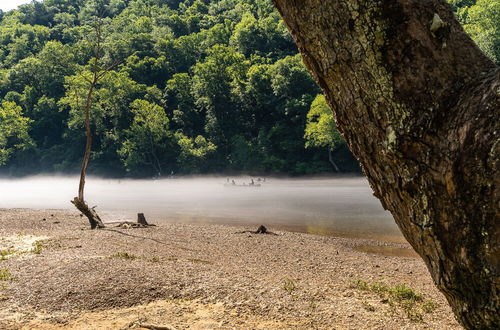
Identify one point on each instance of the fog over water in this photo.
(333, 206)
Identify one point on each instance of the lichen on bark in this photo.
(418, 105)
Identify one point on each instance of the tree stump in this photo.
(261, 230)
(141, 223)
(141, 219)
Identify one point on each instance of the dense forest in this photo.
(194, 86)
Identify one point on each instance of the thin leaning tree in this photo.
(98, 71)
(418, 103)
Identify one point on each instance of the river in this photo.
(326, 206)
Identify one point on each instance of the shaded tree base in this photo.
(94, 219)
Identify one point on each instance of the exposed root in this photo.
(94, 219)
(130, 224)
(141, 223)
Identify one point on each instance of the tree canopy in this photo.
(202, 86)
(321, 130)
(480, 19)
(13, 130)
(222, 79)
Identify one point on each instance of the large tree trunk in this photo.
(418, 104)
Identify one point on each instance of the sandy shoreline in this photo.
(205, 277)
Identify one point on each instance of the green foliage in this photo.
(193, 152)
(483, 25)
(147, 137)
(37, 247)
(6, 254)
(4, 274)
(457, 4)
(399, 297)
(289, 285)
(201, 86)
(13, 130)
(481, 20)
(321, 130)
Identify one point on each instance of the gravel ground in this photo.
(205, 277)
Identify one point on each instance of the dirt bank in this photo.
(205, 277)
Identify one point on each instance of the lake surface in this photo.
(333, 206)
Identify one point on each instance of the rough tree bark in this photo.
(418, 104)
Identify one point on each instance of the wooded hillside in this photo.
(203, 86)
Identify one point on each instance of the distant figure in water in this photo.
(252, 183)
(233, 183)
(259, 180)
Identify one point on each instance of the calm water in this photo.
(337, 206)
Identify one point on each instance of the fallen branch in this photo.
(156, 327)
(141, 223)
(130, 224)
(260, 230)
(139, 324)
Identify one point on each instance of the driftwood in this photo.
(260, 230)
(96, 222)
(141, 223)
(140, 325)
(156, 327)
(89, 212)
